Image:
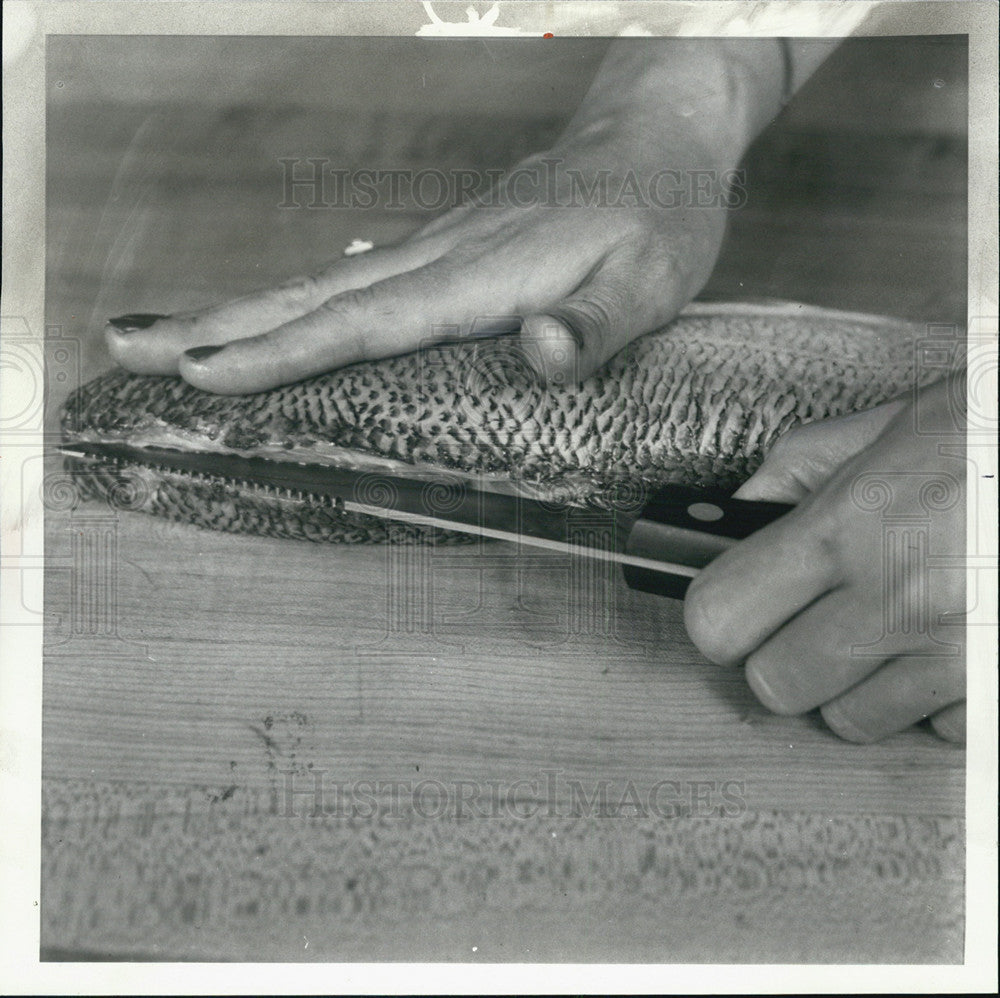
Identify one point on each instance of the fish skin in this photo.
(698, 402)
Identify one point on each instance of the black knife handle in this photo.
(690, 526)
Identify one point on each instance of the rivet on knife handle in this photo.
(690, 526)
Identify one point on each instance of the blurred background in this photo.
(164, 178)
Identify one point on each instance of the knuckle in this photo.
(657, 249)
(829, 551)
(347, 302)
(346, 315)
(594, 316)
(681, 259)
(301, 290)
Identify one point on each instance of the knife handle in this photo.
(690, 526)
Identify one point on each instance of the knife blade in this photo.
(661, 542)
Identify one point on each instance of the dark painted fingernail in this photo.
(134, 321)
(201, 353)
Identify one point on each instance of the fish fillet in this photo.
(698, 402)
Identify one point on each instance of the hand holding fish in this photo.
(578, 278)
(837, 605)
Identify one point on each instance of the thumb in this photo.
(806, 457)
(573, 338)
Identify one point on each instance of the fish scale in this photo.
(698, 402)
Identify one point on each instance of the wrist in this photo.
(694, 101)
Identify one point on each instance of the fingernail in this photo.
(764, 692)
(135, 321)
(556, 347)
(844, 725)
(201, 353)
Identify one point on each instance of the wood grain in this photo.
(207, 694)
(185, 875)
(469, 663)
(191, 679)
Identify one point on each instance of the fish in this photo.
(698, 402)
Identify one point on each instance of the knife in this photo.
(661, 541)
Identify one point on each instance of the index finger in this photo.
(391, 316)
(154, 345)
(748, 592)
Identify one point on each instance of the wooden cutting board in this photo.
(206, 694)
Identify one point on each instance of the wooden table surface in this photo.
(203, 693)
